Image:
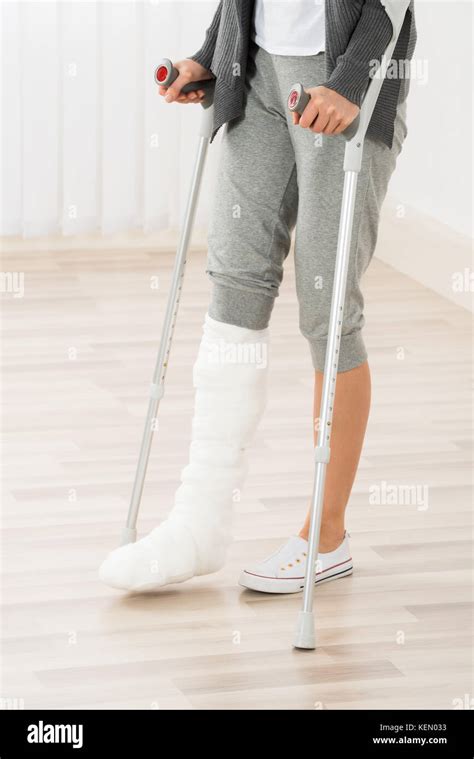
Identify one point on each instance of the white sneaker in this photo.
(284, 571)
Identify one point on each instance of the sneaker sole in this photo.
(283, 586)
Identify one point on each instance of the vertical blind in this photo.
(87, 144)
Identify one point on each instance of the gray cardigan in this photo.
(357, 32)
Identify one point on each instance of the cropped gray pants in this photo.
(274, 176)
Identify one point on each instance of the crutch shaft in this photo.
(305, 628)
(159, 374)
(322, 451)
(129, 533)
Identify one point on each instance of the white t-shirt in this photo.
(290, 27)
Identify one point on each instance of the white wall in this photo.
(427, 221)
(434, 175)
(87, 145)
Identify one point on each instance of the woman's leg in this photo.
(320, 183)
(315, 261)
(230, 380)
(351, 412)
(249, 238)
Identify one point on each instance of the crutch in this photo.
(297, 101)
(165, 74)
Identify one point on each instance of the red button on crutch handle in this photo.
(165, 73)
(298, 99)
(161, 74)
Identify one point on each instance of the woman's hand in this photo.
(327, 112)
(189, 71)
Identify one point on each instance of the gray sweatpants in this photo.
(274, 175)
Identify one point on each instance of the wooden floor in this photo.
(78, 352)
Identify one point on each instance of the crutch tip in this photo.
(129, 535)
(305, 636)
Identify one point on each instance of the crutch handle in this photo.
(166, 74)
(298, 99)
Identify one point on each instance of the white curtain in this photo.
(88, 146)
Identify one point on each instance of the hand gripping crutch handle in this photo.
(355, 133)
(166, 74)
(297, 101)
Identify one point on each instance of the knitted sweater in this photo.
(357, 33)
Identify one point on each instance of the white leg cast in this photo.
(230, 377)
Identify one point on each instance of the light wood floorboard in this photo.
(78, 352)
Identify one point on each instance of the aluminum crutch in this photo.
(165, 74)
(396, 10)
